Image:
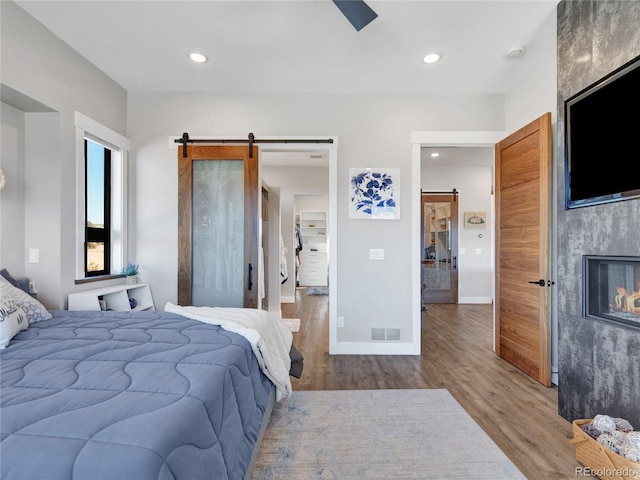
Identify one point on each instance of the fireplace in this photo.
(611, 289)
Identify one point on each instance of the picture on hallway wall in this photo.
(374, 193)
(475, 219)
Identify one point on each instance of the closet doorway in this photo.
(300, 177)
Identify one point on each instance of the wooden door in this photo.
(439, 256)
(523, 249)
(218, 226)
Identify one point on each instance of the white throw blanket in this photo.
(270, 339)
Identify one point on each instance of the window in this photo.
(97, 209)
(101, 199)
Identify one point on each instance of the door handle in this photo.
(455, 266)
(249, 282)
(542, 283)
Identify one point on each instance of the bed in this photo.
(120, 395)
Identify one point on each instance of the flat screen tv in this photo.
(602, 140)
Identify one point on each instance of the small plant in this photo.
(130, 270)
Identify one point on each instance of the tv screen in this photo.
(602, 140)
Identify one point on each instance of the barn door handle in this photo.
(249, 282)
(455, 266)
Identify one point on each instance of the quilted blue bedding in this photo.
(113, 395)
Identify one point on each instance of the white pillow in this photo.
(35, 311)
(13, 320)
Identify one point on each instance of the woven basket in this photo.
(602, 462)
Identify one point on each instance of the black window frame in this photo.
(99, 235)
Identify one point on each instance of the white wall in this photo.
(305, 201)
(373, 131)
(475, 271)
(39, 69)
(536, 93)
(12, 214)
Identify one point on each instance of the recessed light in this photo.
(197, 57)
(435, 155)
(432, 57)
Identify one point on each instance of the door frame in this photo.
(332, 149)
(421, 139)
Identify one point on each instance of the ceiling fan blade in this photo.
(357, 12)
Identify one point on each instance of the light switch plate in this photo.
(34, 255)
(376, 254)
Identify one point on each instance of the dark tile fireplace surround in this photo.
(598, 355)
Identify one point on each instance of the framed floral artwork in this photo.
(374, 193)
(475, 219)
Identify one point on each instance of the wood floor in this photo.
(518, 413)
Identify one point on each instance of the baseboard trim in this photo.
(288, 299)
(475, 300)
(374, 348)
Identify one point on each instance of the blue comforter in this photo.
(112, 395)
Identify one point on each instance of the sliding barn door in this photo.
(523, 249)
(218, 226)
(439, 262)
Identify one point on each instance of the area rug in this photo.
(318, 291)
(292, 324)
(377, 434)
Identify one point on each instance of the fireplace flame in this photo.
(626, 302)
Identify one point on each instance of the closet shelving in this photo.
(314, 265)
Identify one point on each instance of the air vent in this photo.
(378, 334)
(386, 334)
(393, 334)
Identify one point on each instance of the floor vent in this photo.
(386, 334)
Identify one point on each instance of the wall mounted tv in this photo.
(602, 140)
